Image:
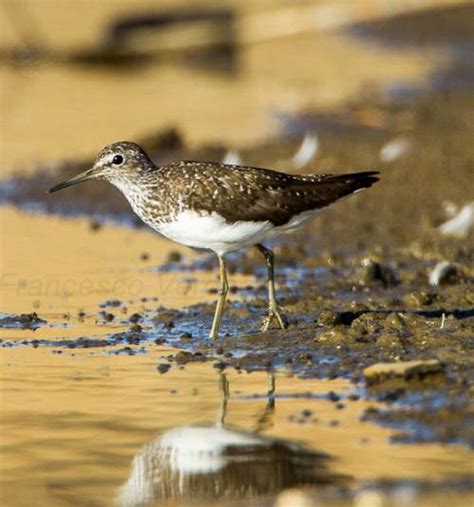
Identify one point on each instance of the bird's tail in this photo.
(354, 181)
(325, 190)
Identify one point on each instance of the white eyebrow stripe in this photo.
(107, 159)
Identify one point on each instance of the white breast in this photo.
(210, 230)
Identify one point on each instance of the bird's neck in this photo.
(136, 183)
(137, 191)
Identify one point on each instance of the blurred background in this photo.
(79, 75)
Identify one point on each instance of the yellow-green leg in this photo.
(274, 312)
(223, 290)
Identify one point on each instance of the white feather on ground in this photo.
(441, 272)
(394, 149)
(460, 224)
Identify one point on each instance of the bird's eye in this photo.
(117, 160)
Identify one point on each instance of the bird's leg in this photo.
(273, 309)
(223, 290)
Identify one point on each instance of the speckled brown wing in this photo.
(241, 193)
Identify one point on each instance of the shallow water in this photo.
(56, 266)
(75, 424)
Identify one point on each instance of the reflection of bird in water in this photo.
(210, 462)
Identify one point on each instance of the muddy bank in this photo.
(349, 317)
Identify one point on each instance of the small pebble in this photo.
(163, 368)
(332, 396)
(94, 225)
(174, 256)
(135, 318)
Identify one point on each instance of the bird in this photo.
(220, 207)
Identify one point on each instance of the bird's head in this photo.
(120, 163)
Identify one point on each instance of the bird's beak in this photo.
(84, 176)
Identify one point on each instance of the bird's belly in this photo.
(211, 231)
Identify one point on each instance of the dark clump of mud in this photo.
(23, 320)
(426, 422)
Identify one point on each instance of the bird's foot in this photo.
(274, 313)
